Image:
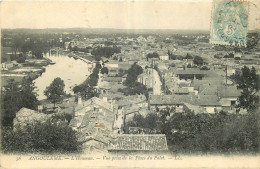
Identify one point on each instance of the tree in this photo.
(88, 92)
(132, 74)
(37, 52)
(138, 120)
(17, 44)
(188, 56)
(252, 40)
(98, 65)
(121, 72)
(10, 102)
(198, 60)
(86, 89)
(150, 120)
(75, 48)
(248, 82)
(55, 91)
(104, 70)
(16, 96)
(171, 56)
(115, 58)
(152, 55)
(135, 88)
(48, 137)
(105, 51)
(97, 58)
(28, 94)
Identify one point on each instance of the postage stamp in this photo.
(229, 22)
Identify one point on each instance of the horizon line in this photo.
(109, 28)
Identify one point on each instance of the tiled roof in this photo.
(131, 142)
(131, 100)
(112, 62)
(208, 100)
(124, 65)
(195, 108)
(171, 99)
(181, 90)
(190, 71)
(93, 120)
(228, 91)
(210, 82)
(208, 90)
(94, 100)
(112, 95)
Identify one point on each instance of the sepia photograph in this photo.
(130, 84)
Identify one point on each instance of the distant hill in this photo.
(105, 31)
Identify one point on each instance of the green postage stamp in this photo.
(229, 22)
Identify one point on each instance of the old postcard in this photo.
(130, 84)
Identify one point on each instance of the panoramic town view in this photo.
(82, 90)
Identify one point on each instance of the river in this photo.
(70, 70)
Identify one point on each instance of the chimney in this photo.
(40, 107)
(79, 100)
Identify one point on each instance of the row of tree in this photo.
(132, 86)
(203, 133)
(197, 60)
(105, 51)
(86, 89)
(77, 49)
(219, 132)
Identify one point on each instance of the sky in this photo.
(178, 15)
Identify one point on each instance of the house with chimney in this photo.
(228, 96)
(191, 73)
(210, 103)
(97, 121)
(173, 101)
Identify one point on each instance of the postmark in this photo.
(229, 22)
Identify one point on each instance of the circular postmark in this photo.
(230, 22)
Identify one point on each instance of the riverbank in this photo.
(82, 56)
(72, 71)
(32, 68)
